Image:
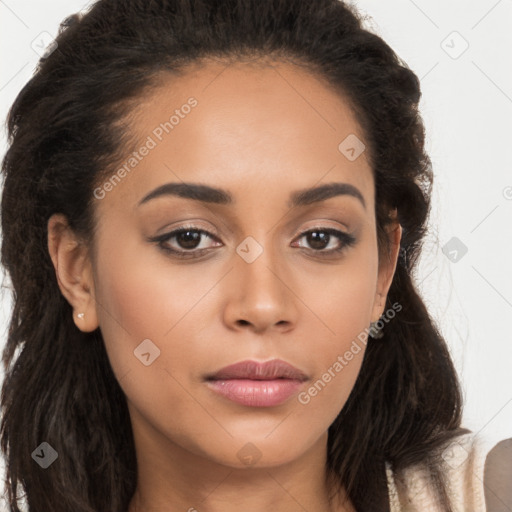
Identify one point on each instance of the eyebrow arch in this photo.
(195, 191)
(207, 194)
(323, 192)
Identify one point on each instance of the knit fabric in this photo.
(463, 463)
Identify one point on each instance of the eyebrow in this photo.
(208, 194)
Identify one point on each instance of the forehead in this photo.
(250, 127)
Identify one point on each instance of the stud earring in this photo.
(375, 332)
(80, 315)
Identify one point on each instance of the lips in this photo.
(275, 369)
(255, 384)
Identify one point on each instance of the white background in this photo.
(467, 108)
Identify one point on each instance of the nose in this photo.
(260, 295)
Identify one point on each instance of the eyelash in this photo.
(346, 239)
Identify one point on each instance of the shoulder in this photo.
(462, 462)
(498, 477)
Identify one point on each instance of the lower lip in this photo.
(256, 393)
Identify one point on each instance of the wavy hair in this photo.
(66, 134)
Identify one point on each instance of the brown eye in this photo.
(187, 241)
(319, 239)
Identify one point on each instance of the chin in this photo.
(259, 451)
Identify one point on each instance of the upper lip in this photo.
(269, 370)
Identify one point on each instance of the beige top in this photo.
(464, 462)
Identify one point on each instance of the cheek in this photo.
(342, 297)
(325, 396)
(344, 304)
(142, 299)
(144, 314)
(338, 357)
(337, 362)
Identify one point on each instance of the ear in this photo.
(387, 266)
(73, 270)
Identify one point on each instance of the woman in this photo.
(211, 213)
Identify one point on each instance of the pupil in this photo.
(318, 240)
(188, 239)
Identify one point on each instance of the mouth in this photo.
(255, 384)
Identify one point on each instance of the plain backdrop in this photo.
(461, 51)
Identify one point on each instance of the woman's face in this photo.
(245, 283)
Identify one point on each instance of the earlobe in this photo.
(73, 272)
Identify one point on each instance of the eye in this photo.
(187, 242)
(327, 240)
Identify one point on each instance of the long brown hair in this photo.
(64, 137)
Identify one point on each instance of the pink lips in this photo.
(257, 384)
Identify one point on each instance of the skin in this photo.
(260, 132)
